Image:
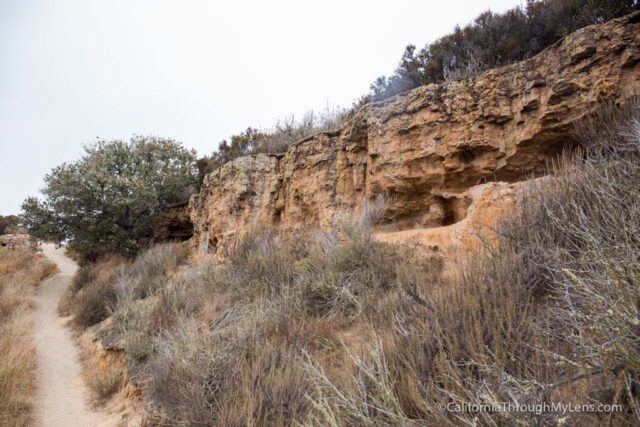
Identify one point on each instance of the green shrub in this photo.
(107, 200)
(496, 39)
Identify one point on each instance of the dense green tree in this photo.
(107, 200)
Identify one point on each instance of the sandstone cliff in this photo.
(445, 155)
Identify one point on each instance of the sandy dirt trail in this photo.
(62, 395)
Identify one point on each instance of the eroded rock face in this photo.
(235, 196)
(486, 204)
(427, 149)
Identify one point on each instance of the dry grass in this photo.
(334, 328)
(20, 271)
(97, 274)
(91, 296)
(105, 384)
(289, 130)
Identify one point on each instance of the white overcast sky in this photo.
(197, 71)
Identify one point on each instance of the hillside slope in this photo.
(315, 316)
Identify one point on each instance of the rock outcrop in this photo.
(18, 241)
(429, 149)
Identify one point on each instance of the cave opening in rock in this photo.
(455, 208)
(466, 155)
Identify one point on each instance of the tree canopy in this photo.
(107, 200)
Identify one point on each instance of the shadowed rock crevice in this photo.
(173, 224)
(454, 209)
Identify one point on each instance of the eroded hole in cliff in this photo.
(466, 155)
(535, 157)
(181, 231)
(276, 216)
(454, 209)
(425, 212)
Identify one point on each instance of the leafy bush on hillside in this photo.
(496, 39)
(106, 201)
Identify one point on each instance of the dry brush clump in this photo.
(227, 343)
(106, 383)
(289, 130)
(91, 295)
(96, 288)
(20, 272)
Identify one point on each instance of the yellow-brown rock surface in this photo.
(430, 150)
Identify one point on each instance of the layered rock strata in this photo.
(429, 149)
